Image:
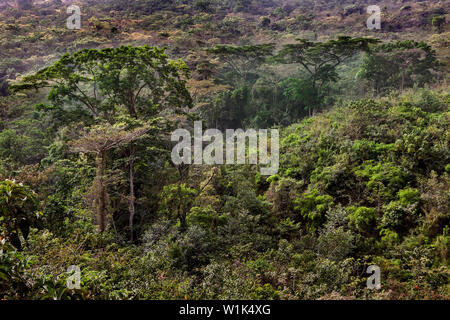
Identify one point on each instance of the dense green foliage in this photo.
(86, 177)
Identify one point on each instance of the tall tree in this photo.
(321, 59)
(241, 61)
(138, 81)
(98, 140)
(141, 82)
(399, 65)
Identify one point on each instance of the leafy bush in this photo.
(312, 207)
(361, 218)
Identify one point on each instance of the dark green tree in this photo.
(320, 61)
(18, 211)
(399, 65)
(241, 61)
(138, 81)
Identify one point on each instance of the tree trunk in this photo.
(403, 79)
(132, 209)
(133, 113)
(101, 202)
(181, 213)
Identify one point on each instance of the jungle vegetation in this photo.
(86, 176)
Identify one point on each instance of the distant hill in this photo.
(34, 33)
